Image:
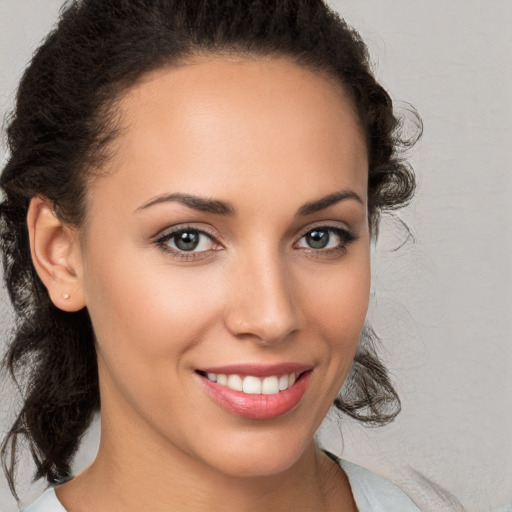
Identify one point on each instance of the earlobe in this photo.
(55, 252)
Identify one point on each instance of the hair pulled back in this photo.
(59, 136)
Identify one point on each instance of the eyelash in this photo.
(185, 255)
(346, 238)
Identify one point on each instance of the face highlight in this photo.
(226, 264)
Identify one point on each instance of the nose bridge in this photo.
(263, 302)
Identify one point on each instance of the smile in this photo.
(253, 385)
(256, 393)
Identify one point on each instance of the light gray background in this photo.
(441, 305)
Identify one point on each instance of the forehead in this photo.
(216, 126)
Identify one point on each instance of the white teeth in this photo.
(235, 382)
(270, 386)
(254, 385)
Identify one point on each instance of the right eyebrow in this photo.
(325, 202)
(202, 204)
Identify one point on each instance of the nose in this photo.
(262, 300)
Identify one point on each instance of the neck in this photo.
(183, 483)
(180, 486)
(142, 482)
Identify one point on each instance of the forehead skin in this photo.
(237, 116)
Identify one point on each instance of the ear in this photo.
(56, 255)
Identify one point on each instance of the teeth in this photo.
(235, 382)
(254, 385)
(270, 386)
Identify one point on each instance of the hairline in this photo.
(109, 112)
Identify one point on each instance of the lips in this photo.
(256, 392)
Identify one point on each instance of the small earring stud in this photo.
(66, 296)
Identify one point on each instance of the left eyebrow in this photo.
(325, 202)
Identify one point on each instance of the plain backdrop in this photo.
(442, 304)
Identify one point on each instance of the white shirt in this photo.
(372, 493)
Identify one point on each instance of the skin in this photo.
(267, 137)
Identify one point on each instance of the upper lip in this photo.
(258, 370)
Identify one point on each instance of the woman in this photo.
(189, 204)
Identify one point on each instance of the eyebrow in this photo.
(202, 204)
(325, 202)
(218, 207)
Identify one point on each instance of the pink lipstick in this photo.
(255, 391)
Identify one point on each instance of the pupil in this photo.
(317, 239)
(187, 241)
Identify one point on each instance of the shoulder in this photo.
(47, 502)
(374, 493)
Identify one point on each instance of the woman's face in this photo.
(226, 248)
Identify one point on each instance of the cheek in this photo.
(338, 312)
(146, 317)
(342, 306)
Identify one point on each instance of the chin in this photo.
(259, 457)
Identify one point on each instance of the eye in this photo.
(187, 242)
(326, 239)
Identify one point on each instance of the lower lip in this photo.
(257, 407)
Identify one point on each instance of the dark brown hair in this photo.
(59, 135)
